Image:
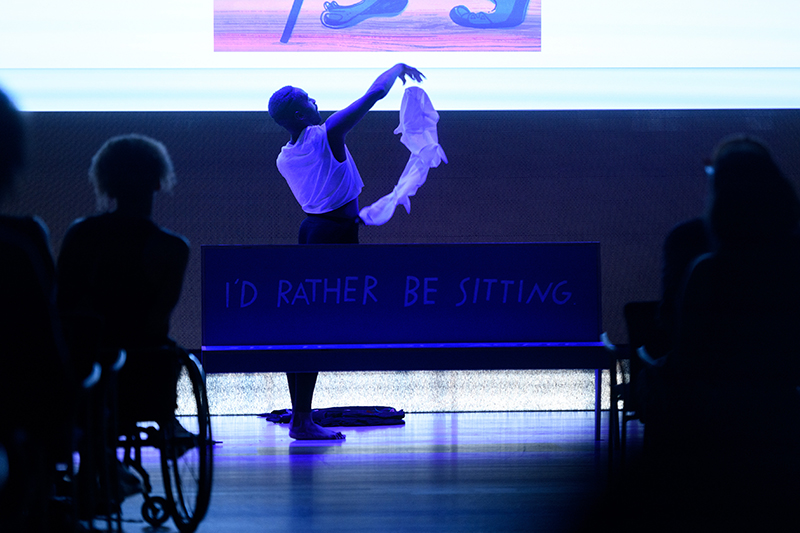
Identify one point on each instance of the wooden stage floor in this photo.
(440, 472)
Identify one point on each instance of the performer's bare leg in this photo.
(302, 426)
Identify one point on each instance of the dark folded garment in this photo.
(344, 416)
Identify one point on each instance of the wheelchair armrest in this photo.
(645, 357)
(199, 365)
(607, 344)
(93, 378)
(122, 356)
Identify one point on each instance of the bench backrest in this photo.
(290, 295)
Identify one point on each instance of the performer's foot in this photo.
(506, 14)
(337, 16)
(302, 427)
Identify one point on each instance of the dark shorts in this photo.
(321, 229)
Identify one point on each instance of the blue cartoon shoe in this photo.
(337, 16)
(507, 14)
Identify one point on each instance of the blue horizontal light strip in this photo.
(268, 347)
(248, 89)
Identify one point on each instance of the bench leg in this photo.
(598, 395)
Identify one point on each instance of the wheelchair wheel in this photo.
(186, 453)
(154, 511)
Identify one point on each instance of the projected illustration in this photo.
(377, 25)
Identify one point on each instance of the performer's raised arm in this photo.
(341, 122)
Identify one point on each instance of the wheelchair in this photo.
(180, 435)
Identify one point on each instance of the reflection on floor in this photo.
(517, 471)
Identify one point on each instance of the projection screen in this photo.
(229, 55)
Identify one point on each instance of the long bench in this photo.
(292, 308)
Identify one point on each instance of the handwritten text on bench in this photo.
(418, 291)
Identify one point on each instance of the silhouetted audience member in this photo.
(119, 266)
(727, 449)
(35, 379)
(120, 277)
(683, 245)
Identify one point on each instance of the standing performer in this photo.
(325, 181)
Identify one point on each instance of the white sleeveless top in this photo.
(318, 181)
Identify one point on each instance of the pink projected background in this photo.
(389, 25)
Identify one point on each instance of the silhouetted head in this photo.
(751, 200)
(12, 144)
(293, 109)
(130, 167)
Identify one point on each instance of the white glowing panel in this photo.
(440, 391)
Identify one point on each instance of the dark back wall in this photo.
(622, 178)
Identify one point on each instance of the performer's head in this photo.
(293, 109)
(751, 199)
(12, 144)
(130, 168)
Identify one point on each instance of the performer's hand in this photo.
(343, 121)
(411, 72)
